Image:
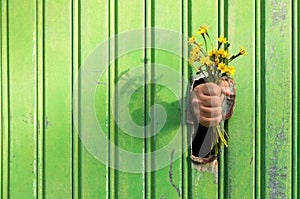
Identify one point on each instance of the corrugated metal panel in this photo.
(43, 45)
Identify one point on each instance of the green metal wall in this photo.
(43, 44)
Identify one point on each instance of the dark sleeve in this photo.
(200, 133)
(198, 141)
(197, 131)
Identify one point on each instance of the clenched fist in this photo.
(207, 102)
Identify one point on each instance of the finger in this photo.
(208, 122)
(208, 89)
(210, 112)
(209, 101)
(224, 85)
(207, 112)
(226, 91)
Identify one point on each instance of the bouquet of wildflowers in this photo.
(213, 64)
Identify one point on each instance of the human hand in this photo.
(207, 103)
(224, 85)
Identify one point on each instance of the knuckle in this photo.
(220, 110)
(216, 101)
(219, 119)
(217, 112)
(204, 121)
(199, 89)
(202, 108)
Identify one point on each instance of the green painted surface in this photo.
(21, 95)
(125, 20)
(240, 169)
(57, 71)
(169, 19)
(44, 43)
(295, 95)
(278, 100)
(93, 29)
(4, 101)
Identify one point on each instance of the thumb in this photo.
(224, 85)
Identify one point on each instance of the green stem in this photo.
(234, 56)
(211, 44)
(221, 135)
(201, 71)
(210, 74)
(205, 42)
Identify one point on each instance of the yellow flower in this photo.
(206, 60)
(211, 52)
(196, 49)
(192, 40)
(231, 70)
(217, 60)
(243, 51)
(222, 39)
(222, 67)
(203, 30)
(193, 53)
(225, 54)
(194, 56)
(191, 61)
(220, 52)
